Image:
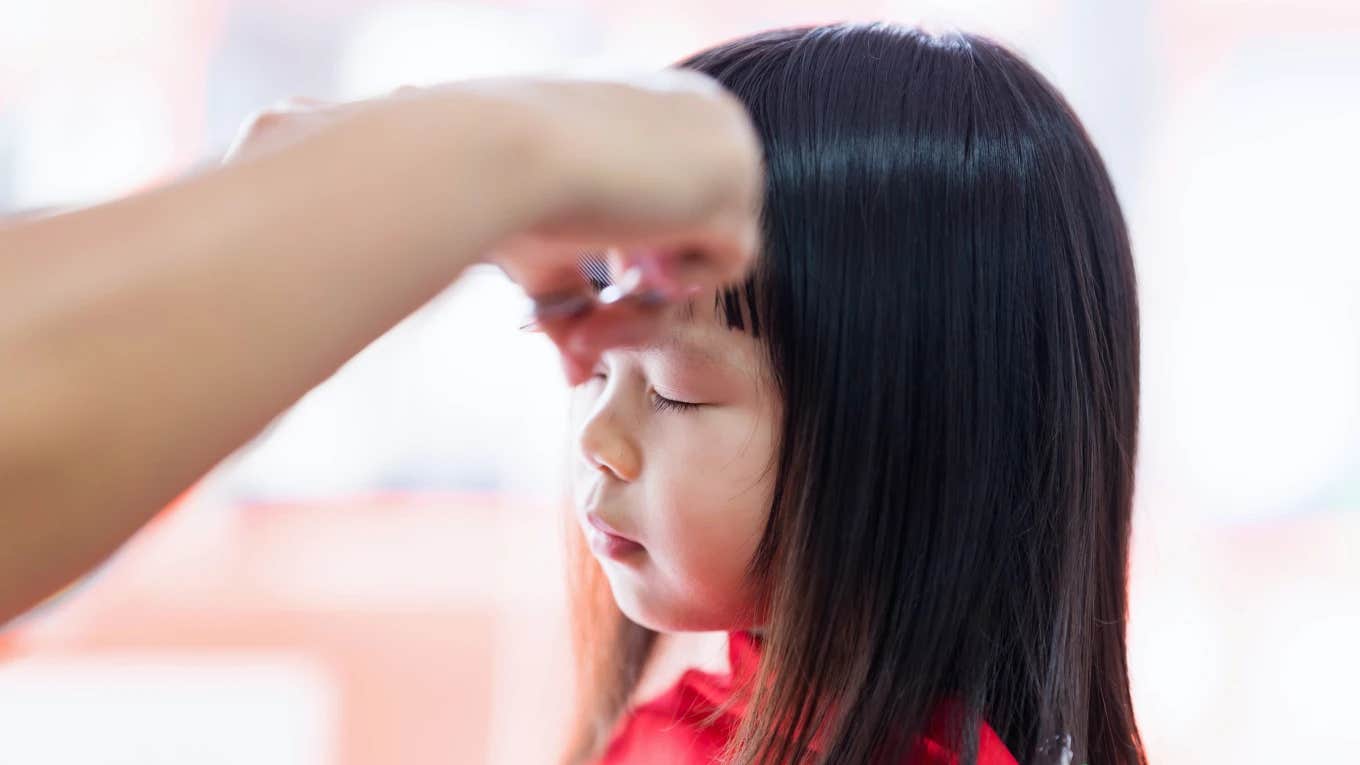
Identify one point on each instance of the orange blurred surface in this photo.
(435, 623)
(431, 629)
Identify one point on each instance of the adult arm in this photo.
(141, 341)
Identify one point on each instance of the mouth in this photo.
(606, 541)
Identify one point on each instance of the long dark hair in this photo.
(948, 300)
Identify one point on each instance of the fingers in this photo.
(582, 337)
(721, 257)
(647, 283)
(546, 270)
(729, 255)
(667, 184)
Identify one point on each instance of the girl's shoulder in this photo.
(692, 720)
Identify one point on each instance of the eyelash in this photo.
(662, 404)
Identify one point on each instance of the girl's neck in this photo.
(676, 653)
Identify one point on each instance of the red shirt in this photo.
(669, 730)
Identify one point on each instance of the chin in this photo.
(645, 610)
(662, 614)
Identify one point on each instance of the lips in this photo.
(606, 541)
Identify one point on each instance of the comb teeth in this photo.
(592, 266)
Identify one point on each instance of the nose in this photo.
(606, 444)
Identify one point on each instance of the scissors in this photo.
(629, 291)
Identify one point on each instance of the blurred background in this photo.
(377, 578)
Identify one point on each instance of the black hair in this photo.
(948, 300)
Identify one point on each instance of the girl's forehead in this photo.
(699, 333)
(701, 346)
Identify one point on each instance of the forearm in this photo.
(143, 340)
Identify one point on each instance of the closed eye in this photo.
(659, 402)
(662, 404)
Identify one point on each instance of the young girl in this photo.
(897, 464)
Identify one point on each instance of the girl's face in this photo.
(674, 472)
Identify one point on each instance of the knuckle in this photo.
(263, 121)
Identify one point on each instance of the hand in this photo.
(660, 173)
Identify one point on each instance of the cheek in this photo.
(713, 503)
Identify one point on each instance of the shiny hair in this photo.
(948, 301)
